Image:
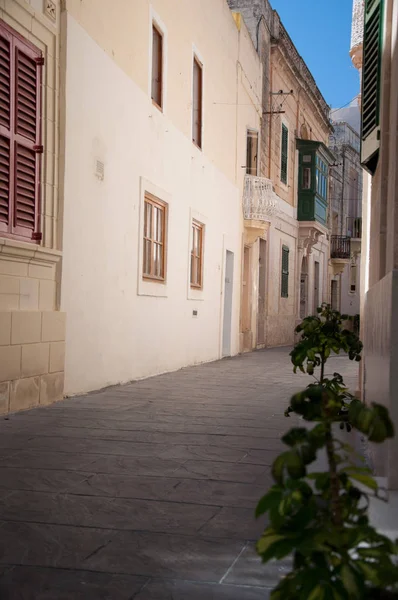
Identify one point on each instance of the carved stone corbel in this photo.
(308, 238)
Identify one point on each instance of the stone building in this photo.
(345, 216)
(286, 256)
(132, 126)
(32, 327)
(376, 58)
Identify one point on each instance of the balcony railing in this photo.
(354, 227)
(340, 246)
(259, 199)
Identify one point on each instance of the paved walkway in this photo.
(146, 491)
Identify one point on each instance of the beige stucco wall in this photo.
(380, 320)
(121, 328)
(29, 273)
(298, 110)
(204, 25)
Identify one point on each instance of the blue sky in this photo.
(321, 31)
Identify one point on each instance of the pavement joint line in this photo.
(114, 531)
(146, 583)
(115, 498)
(217, 512)
(233, 563)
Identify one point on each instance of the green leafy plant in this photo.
(321, 518)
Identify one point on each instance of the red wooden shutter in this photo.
(5, 128)
(20, 131)
(27, 141)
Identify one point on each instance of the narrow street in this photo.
(146, 491)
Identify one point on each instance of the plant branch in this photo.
(334, 479)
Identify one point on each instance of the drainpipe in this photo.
(298, 110)
(270, 117)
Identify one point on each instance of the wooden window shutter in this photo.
(20, 135)
(5, 127)
(284, 153)
(285, 272)
(197, 108)
(371, 84)
(157, 67)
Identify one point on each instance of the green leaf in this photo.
(268, 501)
(318, 593)
(366, 480)
(279, 466)
(297, 435)
(349, 581)
(267, 540)
(295, 465)
(369, 571)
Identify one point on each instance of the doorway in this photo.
(246, 320)
(304, 289)
(262, 256)
(228, 289)
(316, 286)
(335, 295)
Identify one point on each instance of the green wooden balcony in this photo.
(314, 161)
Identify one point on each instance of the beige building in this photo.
(156, 115)
(32, 328)
(377, 60)
(345, 212)
(286, 271)
(131, 129)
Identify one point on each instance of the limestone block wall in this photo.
(32, 351)
(32, 330)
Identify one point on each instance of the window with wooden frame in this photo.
(157, 66)
(155, 240)
(251, 152)
(197, 255)
(197, 103)
(285, 272)
(284, 153)
(20, 135)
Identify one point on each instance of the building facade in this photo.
(164, 190)
(32, 327)
(286, 269)
(345, 217)
(157, 111)
(375, 53)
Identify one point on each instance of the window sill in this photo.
(154, 279)
(197, 146)
(152, 287)
(28, 252)
(156, 105)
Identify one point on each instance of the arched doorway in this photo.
(304, 289)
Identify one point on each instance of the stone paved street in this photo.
(146, 491)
